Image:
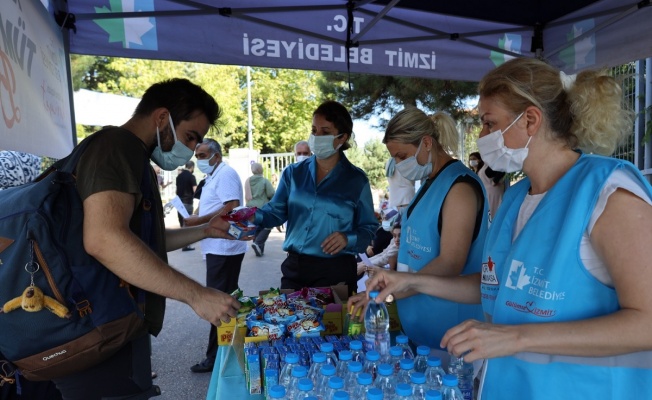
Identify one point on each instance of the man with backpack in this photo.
(171, 119)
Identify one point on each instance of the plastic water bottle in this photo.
(276, 392)
(371, 363)
(418, 380)
(299, 372)
(402, 341)
(335, 384)
(343, 364)
(395, 357)
(326, 372)
(318, 360)
(403, 392)
(373, 394)
(362, 387)
(449, 389)
(421, 360)
(351, 375)
(291, 361)
(327, 348)
(433, 395)
(407, 368)
(434, 373)
(357, 354)
(464, 372)
(386, 380)
(305, 389)
(376, 323)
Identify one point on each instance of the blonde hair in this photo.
(589, 115)
(410, 125)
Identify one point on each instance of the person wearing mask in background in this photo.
(186, 185)
(443, 227)
(221, 193)
(401, 190)
(258, 192)
(493, 181)
(565, 280)
(383, 234)
(327, 204)
(301, 150)
(388, 255)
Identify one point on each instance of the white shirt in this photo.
(222, 186)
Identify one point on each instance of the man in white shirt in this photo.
(223, 188)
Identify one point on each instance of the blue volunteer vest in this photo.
(425, 318)
(540, 278)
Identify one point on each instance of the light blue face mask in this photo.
(179, 155)
(410, 168)
(322, 146)
(205, 166)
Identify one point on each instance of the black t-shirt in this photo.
(186, 182)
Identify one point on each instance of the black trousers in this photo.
(222, 273)
(301, 271)
(125, 375)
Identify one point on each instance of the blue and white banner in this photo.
(34, 89)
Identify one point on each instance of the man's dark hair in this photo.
(213, 145)
(190, 164)
(182, 98)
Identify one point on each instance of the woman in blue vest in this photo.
(565, 274)
(443, 228)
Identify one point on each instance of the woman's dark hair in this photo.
(336, 113)
(480, 162)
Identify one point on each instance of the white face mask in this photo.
(473, 163)
(322, 146)
(301, 158)
(410, 168)
(499, 157)
(205, 166)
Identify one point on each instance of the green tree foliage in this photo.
(372, 95)
(372, 161)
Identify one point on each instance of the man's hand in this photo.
(215, 306)
(218, 228)
(334, 243)
(357, 305)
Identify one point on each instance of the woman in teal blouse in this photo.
(328, 207)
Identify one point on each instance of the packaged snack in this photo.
(306, 327)
(240, 227)
(260, 328)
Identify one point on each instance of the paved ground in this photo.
(182, 343)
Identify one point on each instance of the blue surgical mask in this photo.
(179, 155)
(410, 168)
(205, 166)
(322, 146)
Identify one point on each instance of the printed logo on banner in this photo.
(580, 54)
(134, 33)
(509, 42)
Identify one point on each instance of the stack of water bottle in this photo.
(374, 370)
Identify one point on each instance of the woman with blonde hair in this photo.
(443, 227)
(566, 277)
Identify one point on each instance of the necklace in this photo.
(324, 169)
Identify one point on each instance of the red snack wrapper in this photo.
(240, 214)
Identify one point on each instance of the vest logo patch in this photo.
(489, 273)
(517, 278)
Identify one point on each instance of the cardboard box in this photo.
(241, 230)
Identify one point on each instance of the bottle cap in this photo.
(299, 371)
(433, 361)
(372, 355)
(373, 294)
(305, 384)
(418, 377)
(403, 389)
(335, 382)
(365, 378)
(385, 369)
(450, 380)
(291, 358)
(395, 351)
(344, 355)
(340, 395)
(319, 357)
(407, 363)
(355, 345)
(433, 395)
(355, 366)
(276, 391)
(375, 394)
(326, 347)
(327, 370)
(401, 339)
(423, 350)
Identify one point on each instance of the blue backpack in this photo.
(86, 312)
